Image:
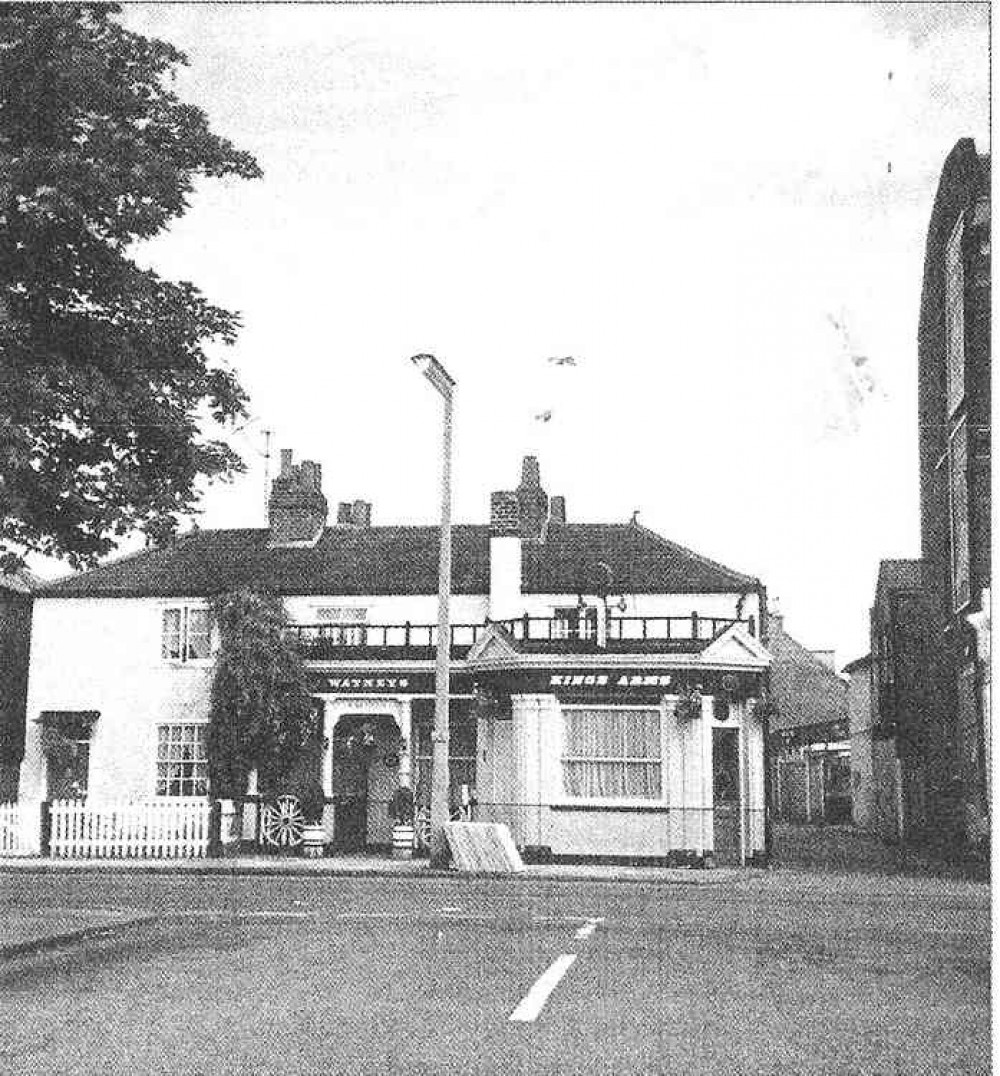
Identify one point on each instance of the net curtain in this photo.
(612, 754)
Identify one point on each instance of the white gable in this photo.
(735, 646)
(493, 644)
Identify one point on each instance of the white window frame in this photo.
(201, 763)
(184, 634)
(568, 800)
(345, 625)
(574, 622)
(958, 551)
(954, 318)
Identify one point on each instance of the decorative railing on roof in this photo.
(345, 642)
(625, 634)
(634, 634)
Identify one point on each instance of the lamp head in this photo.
(435, 373)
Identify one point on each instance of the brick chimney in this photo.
(297, 508)
(532, 500)
(557, 510)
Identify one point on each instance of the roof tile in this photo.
(403, 560)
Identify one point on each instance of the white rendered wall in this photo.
(505, 577)
(682, 819)
(754, 732)
(390, 608)
(104, 654)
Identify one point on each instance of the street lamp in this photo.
(443, 383)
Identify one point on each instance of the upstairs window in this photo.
(958, 505)
(186, 634)
(954, 318)
(343, 624)
(574, 622)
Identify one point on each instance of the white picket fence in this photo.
(19, 824)
(157, 829)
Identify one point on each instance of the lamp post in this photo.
(444, 385)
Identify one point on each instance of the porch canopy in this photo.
(68, 724)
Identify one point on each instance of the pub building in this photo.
(606, 684)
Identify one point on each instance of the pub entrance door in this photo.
(364, 751)
(726, 803)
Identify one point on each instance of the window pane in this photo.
(958, 481)
(612, 754)
(181, 761)
(954, 312)
(171, 635)
(198, 634)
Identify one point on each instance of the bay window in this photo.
(612, 753)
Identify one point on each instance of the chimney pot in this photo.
(533, 501)
(361, 513)
(557, 510)
(286, 462)
(344, 512)
(310, 474)
(530, 475)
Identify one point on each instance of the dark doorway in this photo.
(362, 747)
(68, 769)
(726, 795)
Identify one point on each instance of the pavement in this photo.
(828, 859)
(22, 931)
(358, 866)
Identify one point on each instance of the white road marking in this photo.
(589, 927)
(534, 1001)
(230, 913)
(411, 916)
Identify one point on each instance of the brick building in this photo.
(930, 621)
(954, 443)
(809, 745)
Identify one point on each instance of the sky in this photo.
(718, 211)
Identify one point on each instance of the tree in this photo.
(262, 716)
(105, 372)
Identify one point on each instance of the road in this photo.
(779, 973)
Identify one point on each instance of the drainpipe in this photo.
(744, 785)
(765, 722)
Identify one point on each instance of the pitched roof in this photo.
(805, 690)
(639, 561)
(900, 574)
(404, 560)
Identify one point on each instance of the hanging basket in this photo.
(689, 705)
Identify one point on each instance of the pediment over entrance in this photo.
(494, 644)
(736, 646)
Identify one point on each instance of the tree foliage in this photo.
(262, 715)
(104, 373)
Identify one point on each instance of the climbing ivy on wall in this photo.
(262, 715)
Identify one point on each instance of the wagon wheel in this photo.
(282, 822)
